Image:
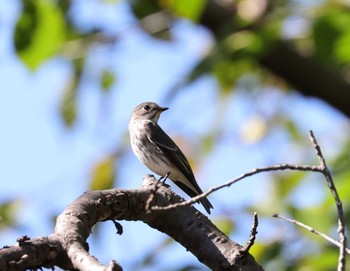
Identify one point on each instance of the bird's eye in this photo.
(146, 107)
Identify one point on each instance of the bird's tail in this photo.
(204, 201)
(206, 204)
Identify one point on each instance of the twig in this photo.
(322, 168)
(253, 233)
(329, 179)
(325, 236)
(245, 175)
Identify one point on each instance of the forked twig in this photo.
(341, 223)
(253, 233)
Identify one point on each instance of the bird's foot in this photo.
(164, 178)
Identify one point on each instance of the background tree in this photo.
(232, 74)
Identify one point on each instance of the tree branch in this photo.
(186, 225)
(322, 168)
(341, 223)
(243, 176)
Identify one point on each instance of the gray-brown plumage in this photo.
(155, 149)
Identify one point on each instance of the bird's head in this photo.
(148, 111)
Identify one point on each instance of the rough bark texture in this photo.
(68, 249)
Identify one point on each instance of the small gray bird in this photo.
(156, 150)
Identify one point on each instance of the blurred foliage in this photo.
(224, 224)
(103, 174)
(331, 38)
(187, 9)
(39, 32)
(69, 103)
(7, 214)
(107, 80)
(45, 30)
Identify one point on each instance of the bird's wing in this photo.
(172, 151)
(175, 155)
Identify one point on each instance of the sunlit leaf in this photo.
(330, 35)
(184, 8)
(107, 80)
(7, 214)
(342, 48)
(68, 104)
(244, 43)
(39, 32)
(103, 174)
(259, 251)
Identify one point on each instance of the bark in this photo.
(68, 249)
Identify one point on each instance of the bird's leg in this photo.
(164, 178)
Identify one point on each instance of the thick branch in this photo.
(31, 253)
(184, 224)
(308, 76)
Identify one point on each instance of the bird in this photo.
(157, 151)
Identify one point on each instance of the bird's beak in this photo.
(161, 109)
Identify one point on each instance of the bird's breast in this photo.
(146, 150)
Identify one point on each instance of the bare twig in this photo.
(322, 168)
(325, 236)
(253, 232)
(245, 175)
(341, 223)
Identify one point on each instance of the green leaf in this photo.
(7, 214)
(227, 72)
(107, 80)
(103, 174)
(68, 105)
(188, 9)
(331, 35)
(39, 32)
(245, 43)
(143, 8)
(342, 48)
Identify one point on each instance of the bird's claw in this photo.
(164, 178)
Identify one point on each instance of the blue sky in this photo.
(47, 166)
